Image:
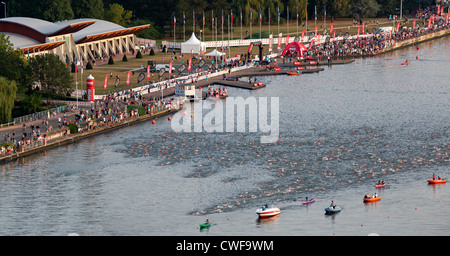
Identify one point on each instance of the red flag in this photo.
(315, 31)
(148, 72)
(398, 26)
(106, 82)
(190, 63)
(363, 29)
(287, 40)
(432, 18)
(231, 16)
(357, 33)
(311, 43)
(429, 23)
(170, 68)
(128, 77)
(414, 23)
(334, 34)
(331, 27)
(303, 34)
(438, 9)
(442, 10)
(318, 38)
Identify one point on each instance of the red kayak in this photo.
(380, 185)
(405, 63)
(437, 181)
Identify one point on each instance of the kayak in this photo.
(380, 185)
(204, 225)
(269, 212)
(437, 181)
(312, 200)
(405, 63)
(331, 210)
(371, 199)
(294, 73)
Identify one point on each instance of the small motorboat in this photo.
(332, 210)
(437, 181)
(294, 73)
(309, 201)
(265, 212)
(371, 199)
(380, 185)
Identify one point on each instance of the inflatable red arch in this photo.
(295, 47)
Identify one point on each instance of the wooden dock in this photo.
(317, 63)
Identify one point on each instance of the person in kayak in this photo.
(434, 176)
(207, 221)
(332, 205)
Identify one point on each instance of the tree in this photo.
(12, 64)
(88, 9)
(117, 14)
(56, 10)
(111, 60)
(32, 102)
(8, 91)
(364, 8)
(340, 8)
(52, 76)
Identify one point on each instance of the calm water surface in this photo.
(341, 130)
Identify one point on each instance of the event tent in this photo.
(193, 45)
(215, 53)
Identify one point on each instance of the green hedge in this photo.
(73, 128)
(141, 109)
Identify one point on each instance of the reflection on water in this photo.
(341, 130)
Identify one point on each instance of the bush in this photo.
(139, 55)
(124, 57)
(89, 65)
(140, 108)
(152, 52)
(111, 61)
(73, 128)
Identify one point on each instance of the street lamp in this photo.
(5, 7)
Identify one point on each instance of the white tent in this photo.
(193, 45)
(215, 53)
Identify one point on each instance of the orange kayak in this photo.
(293, 73)
(372, 199)
(437, 181)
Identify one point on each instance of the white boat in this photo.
(267, 212)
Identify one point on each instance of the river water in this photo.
(341, 130)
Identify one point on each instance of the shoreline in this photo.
(73, 138)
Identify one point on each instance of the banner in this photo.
(414, 24)
(334, 34)
(429, 23)
(287, 40)
(363, 29)
(190, 64)
(315, 31)
(279, 40)
(398, 26)
(357, 33)
(170, 68)
(303, 35)
(331, 27)
(106, 82)
(128, 77)
(270, 42)
(148, 72)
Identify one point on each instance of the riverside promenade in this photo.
(62, 137)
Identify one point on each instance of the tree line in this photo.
(39, 78)
(160, 13)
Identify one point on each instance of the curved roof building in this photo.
(79, 39)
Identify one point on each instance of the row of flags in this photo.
(241, 16)
(128, 81)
